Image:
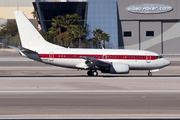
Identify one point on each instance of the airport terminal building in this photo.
(152, 25)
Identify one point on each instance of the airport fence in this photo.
(9, 41)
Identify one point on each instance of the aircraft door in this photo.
(148, 58)
(104, 57)
(51, 56)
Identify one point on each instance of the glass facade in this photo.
(62, 0)
(48, 10)
(93, 13)
(103, 14)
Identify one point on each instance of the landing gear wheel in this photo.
(89, 73)
(149, 73)
(92, 73)
(95, 73)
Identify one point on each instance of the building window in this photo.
(127, 34)
(149, 33)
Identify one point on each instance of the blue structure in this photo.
(94, 14)
(103, 14)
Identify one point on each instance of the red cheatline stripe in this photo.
(78, 56)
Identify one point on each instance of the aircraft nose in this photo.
(167, 62)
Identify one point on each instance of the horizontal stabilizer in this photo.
(24, 50)
(16, 48)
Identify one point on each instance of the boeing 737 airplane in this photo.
(113, 61)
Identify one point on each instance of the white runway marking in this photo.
(15, 59)
(94, 91)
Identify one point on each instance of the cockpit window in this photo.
(159, 56)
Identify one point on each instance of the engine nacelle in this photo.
(119, 68)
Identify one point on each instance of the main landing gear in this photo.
(149, 73)
(92, 73)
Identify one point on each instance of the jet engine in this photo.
(119, 68)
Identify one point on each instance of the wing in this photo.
(96, 62)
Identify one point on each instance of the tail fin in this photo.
(30, 37)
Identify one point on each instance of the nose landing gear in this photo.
(149, 73)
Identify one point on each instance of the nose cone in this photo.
(167, 62)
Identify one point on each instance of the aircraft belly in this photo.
(70, 63)
(143, 65)
(139, 64)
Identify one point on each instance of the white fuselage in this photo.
(72, 58)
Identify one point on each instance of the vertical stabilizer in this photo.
(30, 37)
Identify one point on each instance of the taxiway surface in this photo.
(32, 89)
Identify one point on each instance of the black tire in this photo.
(89, 73)
(150, 74)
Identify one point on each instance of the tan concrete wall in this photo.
(8, 12)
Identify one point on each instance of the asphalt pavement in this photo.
(29, 89)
